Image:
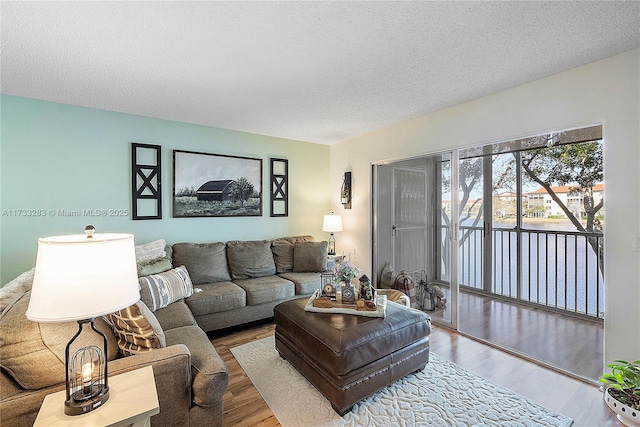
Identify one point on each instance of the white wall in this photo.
(606, 92)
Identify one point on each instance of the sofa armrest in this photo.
(19, 407)
(210, 376)
(171, 369)
(172, 373)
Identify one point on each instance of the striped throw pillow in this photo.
(159, 290)
(137, 329)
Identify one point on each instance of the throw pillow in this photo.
(159, 290)
(206, 262)
(310, 256)
(283, 255)
(150, 251)
(155, 266)
(249, 259)
(33, 353)
(137, 329)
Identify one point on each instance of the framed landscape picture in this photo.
(216, 185)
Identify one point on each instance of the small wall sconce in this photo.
(345, 190)
(332, 223)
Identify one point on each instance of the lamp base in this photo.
(332, 245)
(78, 406)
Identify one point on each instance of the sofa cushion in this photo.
(208, 371)
(33, 353)
(216, 297)
(249, 259)
(137, 329)
(206, 262)
(159, 290)
(306, 283)
(310, 257)
(154, 267)
(282, 249)
(261, 290)
(175, 315)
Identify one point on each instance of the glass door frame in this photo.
(454, 231)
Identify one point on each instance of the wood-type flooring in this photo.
(243, 405)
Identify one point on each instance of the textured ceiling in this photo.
(312, 71)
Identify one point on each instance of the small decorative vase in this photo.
(626, 414)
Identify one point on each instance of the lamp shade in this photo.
(332, 223)
(81, 277)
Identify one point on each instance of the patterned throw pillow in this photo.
(137, 329)
(159, 290)
(150, 251)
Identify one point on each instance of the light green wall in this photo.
(56, 156)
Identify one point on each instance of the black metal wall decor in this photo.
(279, 187)
(345, 191)
(146, 181)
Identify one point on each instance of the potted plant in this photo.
(622, 391)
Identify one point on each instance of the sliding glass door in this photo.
(516, 227)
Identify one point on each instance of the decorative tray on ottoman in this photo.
(360, 305)
(320, 304)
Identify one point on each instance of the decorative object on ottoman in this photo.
(405, 283)
(367, 292)
(327, 285)
(345, 271)
(320, 304)
(348, 293)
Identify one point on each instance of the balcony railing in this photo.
(558, 269)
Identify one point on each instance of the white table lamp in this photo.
(332, 223)
(81, 277)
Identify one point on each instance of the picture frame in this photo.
(216, 185)
(146, 181)
(279, 187)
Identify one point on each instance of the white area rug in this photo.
(443, 394)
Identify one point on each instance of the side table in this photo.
(133, 399)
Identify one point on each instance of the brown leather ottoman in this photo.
(349, 357)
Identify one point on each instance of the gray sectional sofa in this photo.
(241, 281)
(225, 284)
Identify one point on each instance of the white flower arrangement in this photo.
(345, 271)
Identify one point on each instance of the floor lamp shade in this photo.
(83, 277)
